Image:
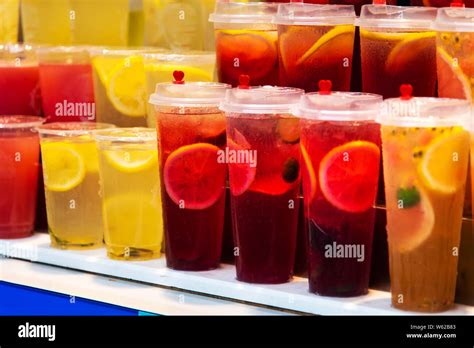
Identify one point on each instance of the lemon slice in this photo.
(64, 168)
(130, 160)
(393, 36)
(104, 65)
(330, 35)
(444, 166)
(89, 154)
(412, 44)
(126, 87)
(165, 73)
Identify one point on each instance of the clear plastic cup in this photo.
(136, 25)
(71, 179)
(19, 81)
(263, 155)
(425, 155)
(179, 25)
(120, 86)
(246, 42)
(9, 15)
(340, 143)
(398, 47)
(67, 89)
(46, 22)
(130, 184)
(191, 135)
(455, 59)
(19, 155)
(315, 42)
(159, 68)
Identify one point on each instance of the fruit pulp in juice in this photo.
(390, 59)
(119, 87)
(264, 195)
(9, 20)
(103, 22)
(67, 92)
(133, 227)
(193, 186)
(341, 166)
(247, 52)
(425, 176)
(46, 22)
(19, 90)
(73, 202)
(19, 155)
(308, 54)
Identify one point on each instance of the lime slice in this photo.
(126, 87)
(64, 168)
(444, 166)
(329, 36)
(131, 160)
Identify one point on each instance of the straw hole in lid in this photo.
(244, 82)
(178, 77)
(325, 87)
(406, 91)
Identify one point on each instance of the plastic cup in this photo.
(71, 178)
(119, 86)
(455, 58)
(9, 15)
(398, 47)
(425, 155)
(19, 81)
(136, 25)
(179, 25)
(159, 68)
(246, 42)
(315, 42)
(19, 155)
(263, 155)
(99, 22)
(191, 133)
(129, 176)
(46, 22)
(340, 142)
(66, 84)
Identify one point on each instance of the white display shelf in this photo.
(293, 296)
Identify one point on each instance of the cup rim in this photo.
(72, 128)
(25, 122)
(140, 135)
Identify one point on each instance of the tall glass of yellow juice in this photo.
(100, 22)
(425, 159)
(128, 165)
(119, 86)
(9, 14)
(46, 21)
(179, 24)
(159, 68)
(71, 178)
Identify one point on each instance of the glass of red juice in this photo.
(19, 156)
(66, 84)
(263, 156)
(191, 134)
(398, 46)
(19, 81)
(315, 42)
(246, 42)
(340, 145)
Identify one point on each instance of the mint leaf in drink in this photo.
(409, 197)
